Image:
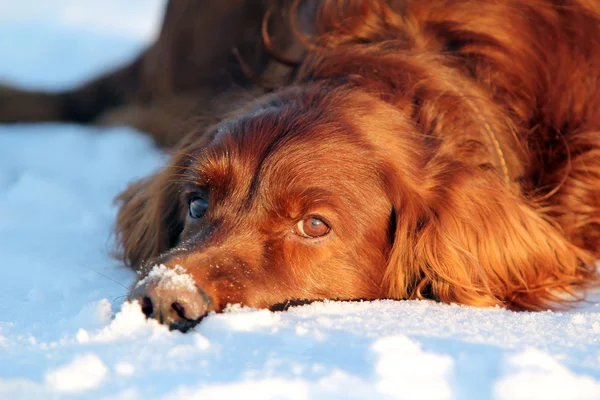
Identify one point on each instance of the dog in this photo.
(358, 149)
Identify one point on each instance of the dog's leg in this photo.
(23, 106)
(193, 59)
(83, 104)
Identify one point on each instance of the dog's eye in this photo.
(197, 207)
(312, 227)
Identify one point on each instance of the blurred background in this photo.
(54, 44)
(56, 259)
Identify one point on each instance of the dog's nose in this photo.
(181, 308)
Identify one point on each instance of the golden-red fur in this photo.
(453, 146)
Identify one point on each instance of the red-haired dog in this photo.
(440, 149)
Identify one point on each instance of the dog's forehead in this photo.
(337, 140)
(276, 152)
(269, 142)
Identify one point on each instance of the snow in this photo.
(175, 278)
(66, 333)
(533, 374)
(404, 369)
(83, 373)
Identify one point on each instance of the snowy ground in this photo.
(64, 332)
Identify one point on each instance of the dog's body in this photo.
(443, 149)
(195, 73)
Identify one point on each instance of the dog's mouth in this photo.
(285, 305)
(183, 325)
(177, 318)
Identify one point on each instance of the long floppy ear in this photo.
(150, 218)
(476, 243)
(148, 222)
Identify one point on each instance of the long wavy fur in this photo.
(505, 96)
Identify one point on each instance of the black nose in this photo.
(181, 308)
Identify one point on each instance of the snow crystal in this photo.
(301, 330)
(83, 373)
(533, 374)
(247, 319)
(15, 389)
(249, 390)
(171, 278)
(578, 319)
(82, 336)
(127, 394)
(201, 342)
(404, 369)
(124, 368)
(129, 321)
(95, 313)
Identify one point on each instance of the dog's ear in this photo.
(151, 216)
(475, 242)
(148, 222)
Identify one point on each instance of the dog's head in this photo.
(290, 201)
(338, 192)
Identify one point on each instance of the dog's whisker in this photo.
(109, 278)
